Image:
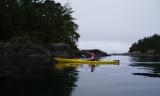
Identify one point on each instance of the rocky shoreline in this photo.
(19, 58)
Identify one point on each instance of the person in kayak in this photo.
(92, 58)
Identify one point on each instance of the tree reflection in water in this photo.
(44, 83)
(151, 64)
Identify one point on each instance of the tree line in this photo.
(147, 45)
(44, 21)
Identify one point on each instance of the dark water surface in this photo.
(135, 76)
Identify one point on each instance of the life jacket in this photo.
(92, 56)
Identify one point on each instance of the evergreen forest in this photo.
(43, 21)
(150, 45)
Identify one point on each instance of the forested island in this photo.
(33, 32)
(148, 46)
(37, 23)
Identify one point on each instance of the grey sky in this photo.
(113, 25)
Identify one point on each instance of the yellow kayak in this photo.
(80, 61)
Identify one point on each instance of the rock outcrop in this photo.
(98, 53)
(23, 58)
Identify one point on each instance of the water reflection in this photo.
(51, 82)
(150, 66)
(92, 67)
(62, 66)
(145, 59)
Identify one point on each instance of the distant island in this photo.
(148, 46)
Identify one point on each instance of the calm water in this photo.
(135, 76)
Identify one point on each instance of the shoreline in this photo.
(144, 55)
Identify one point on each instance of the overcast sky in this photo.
(113, 25)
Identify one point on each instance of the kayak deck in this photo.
(61, 60)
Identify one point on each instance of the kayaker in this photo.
(92, 57)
